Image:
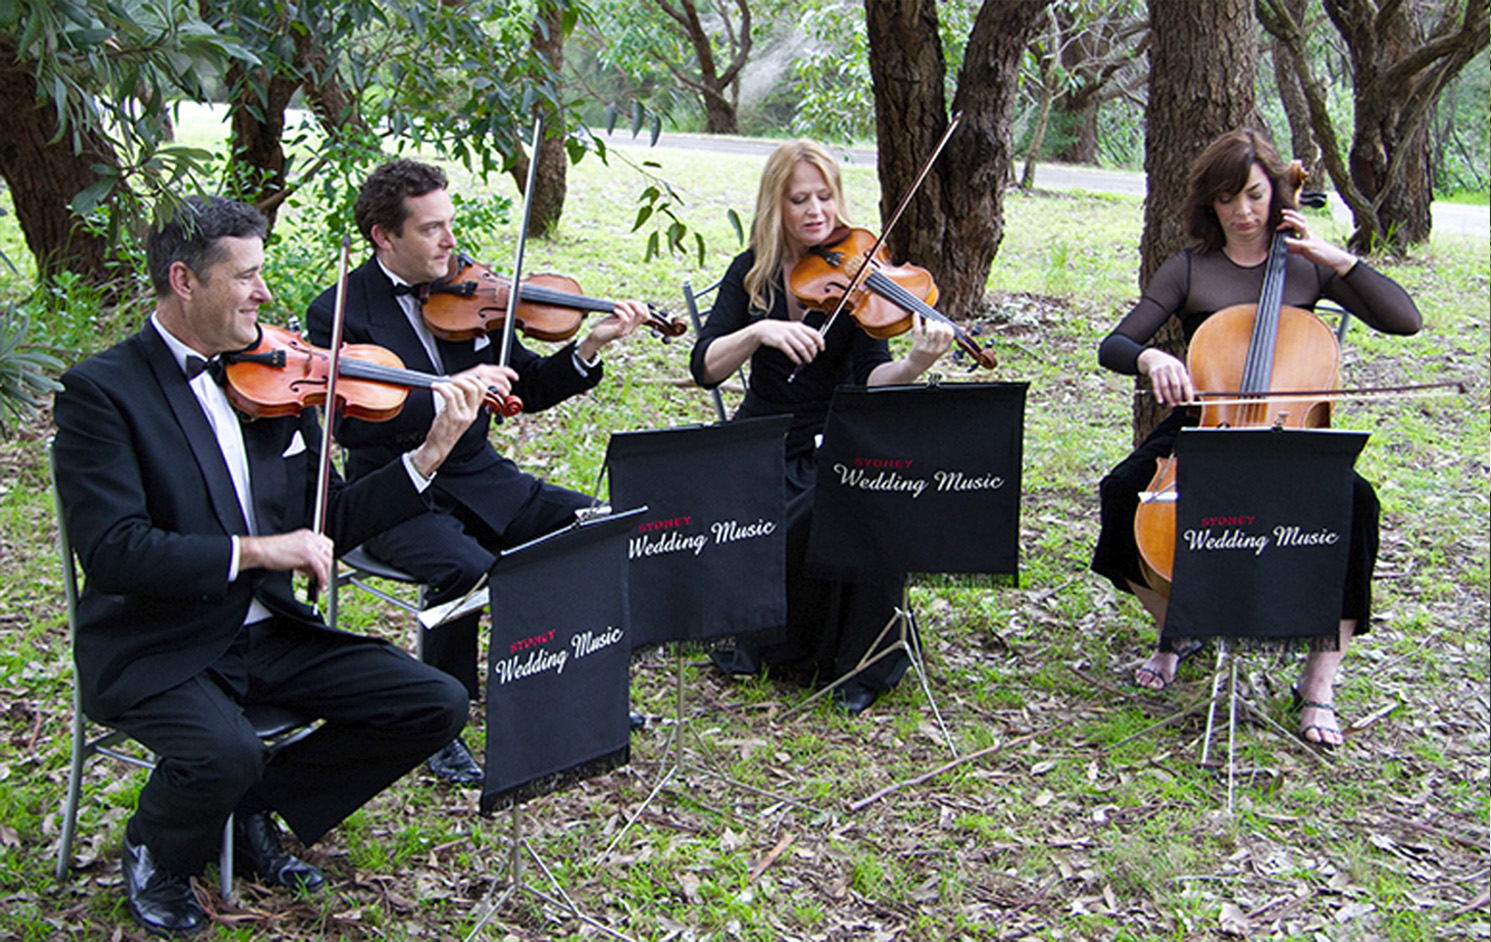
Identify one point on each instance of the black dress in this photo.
(830, 623)
(1192, 285)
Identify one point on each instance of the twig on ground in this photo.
(864, 803)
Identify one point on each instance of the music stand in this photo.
(563, 647)
(708, 561)
(1262, 521)
(903, 485)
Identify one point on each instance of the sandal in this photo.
(1181, 656)
(1300, 704)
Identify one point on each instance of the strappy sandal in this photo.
(1300, 704)
(1181, 656)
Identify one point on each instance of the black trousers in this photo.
(383, 712)
(453, 547)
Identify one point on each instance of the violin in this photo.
(881, 300)
(1250, 351)
(281, 374)
(473, 302)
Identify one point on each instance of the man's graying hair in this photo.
(191, 236)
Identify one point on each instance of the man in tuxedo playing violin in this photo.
(189, 525)
(483, 502)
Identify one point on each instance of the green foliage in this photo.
(24, 382)
(109, 70)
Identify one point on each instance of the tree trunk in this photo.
(719, 90)
(550, 183)
(256, 174)
(1202, 64)
(1296, 108)
(44, 173)
(1043, 113)
(955, 222)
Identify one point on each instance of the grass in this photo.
(1059, 832)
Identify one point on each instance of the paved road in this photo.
(1449, 218)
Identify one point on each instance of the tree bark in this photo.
(1202, 64)
(1296, 108)
(955, 222)
(44, 173)
(1399, 68)
(550, 181)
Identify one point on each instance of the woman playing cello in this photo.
(794, 369)
(1237, 200)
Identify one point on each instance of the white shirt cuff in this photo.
(420, 481)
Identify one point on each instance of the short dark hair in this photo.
(191, 235)
(1222, 170)
(380, 202)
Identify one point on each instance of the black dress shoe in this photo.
(735, 662)
(638, 721)
(854, 698)
(257, 854)
(454, 764)
(159, 900)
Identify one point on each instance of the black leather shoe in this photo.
(454, 764)
(159, 900)
(854, 698)
(638, 721)
(257, 854)
(735, 662)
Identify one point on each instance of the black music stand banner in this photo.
(1262, 532)
(559, 662)
(919, 479)
(708, 559)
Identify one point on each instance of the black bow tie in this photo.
(415, 290)
(195, 365)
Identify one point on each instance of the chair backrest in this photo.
(691, 301)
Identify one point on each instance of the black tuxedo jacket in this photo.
(150, 509)
(474, 475)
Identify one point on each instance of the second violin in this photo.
(882, 300)
(473, 302)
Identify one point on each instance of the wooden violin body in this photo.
(282, 374)
(883, 300)
(473, 303)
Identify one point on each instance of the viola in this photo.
(281, 374)
(473, 302)
(881, 300)
(1278, 366)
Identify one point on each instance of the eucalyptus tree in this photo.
(1402, 57)
(955, 222)
(85, 88)
(701, 48)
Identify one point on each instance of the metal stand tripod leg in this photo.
(518, 846)
(1229, 656)
(908, 639)
(673, 748)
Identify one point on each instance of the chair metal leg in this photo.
(225, 863)
(74, 793)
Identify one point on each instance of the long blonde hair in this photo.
(767, 240)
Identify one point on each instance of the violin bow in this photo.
(509, 326)
(864, 267)
(338, 319)
(1236, 397)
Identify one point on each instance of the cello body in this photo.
(1227, 355)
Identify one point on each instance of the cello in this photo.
(1242, 357)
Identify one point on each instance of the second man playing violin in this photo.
(483, 502)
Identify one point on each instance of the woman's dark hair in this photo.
(380, 202)
(191, 236)
(1223, 170)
